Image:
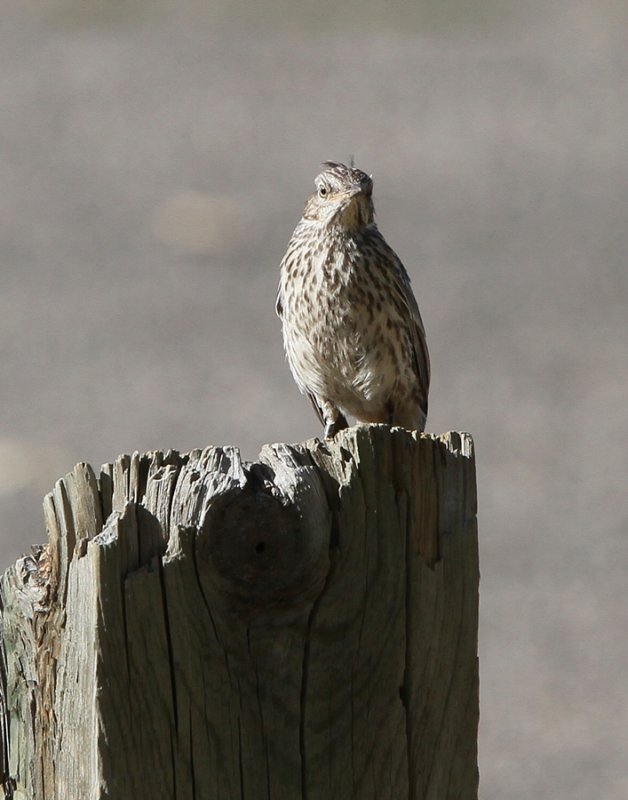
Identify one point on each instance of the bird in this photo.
(352, 331)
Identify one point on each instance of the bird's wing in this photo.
(316, 407)
(404, 299)
(278, 305)
(282, 270)
(419, 342)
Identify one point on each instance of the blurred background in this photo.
(154, 161)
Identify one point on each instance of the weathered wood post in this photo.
(304, 627)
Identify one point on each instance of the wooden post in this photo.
(300, 628)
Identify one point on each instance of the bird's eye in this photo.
(322, 191)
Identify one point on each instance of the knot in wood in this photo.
(264, 548)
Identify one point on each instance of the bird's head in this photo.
(343, 198)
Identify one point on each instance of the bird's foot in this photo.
(332, 428)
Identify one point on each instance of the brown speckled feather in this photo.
(353, 333)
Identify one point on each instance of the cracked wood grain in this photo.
(304, 627)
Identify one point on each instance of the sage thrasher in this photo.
(352, 330)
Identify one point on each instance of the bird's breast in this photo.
(333, 331)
